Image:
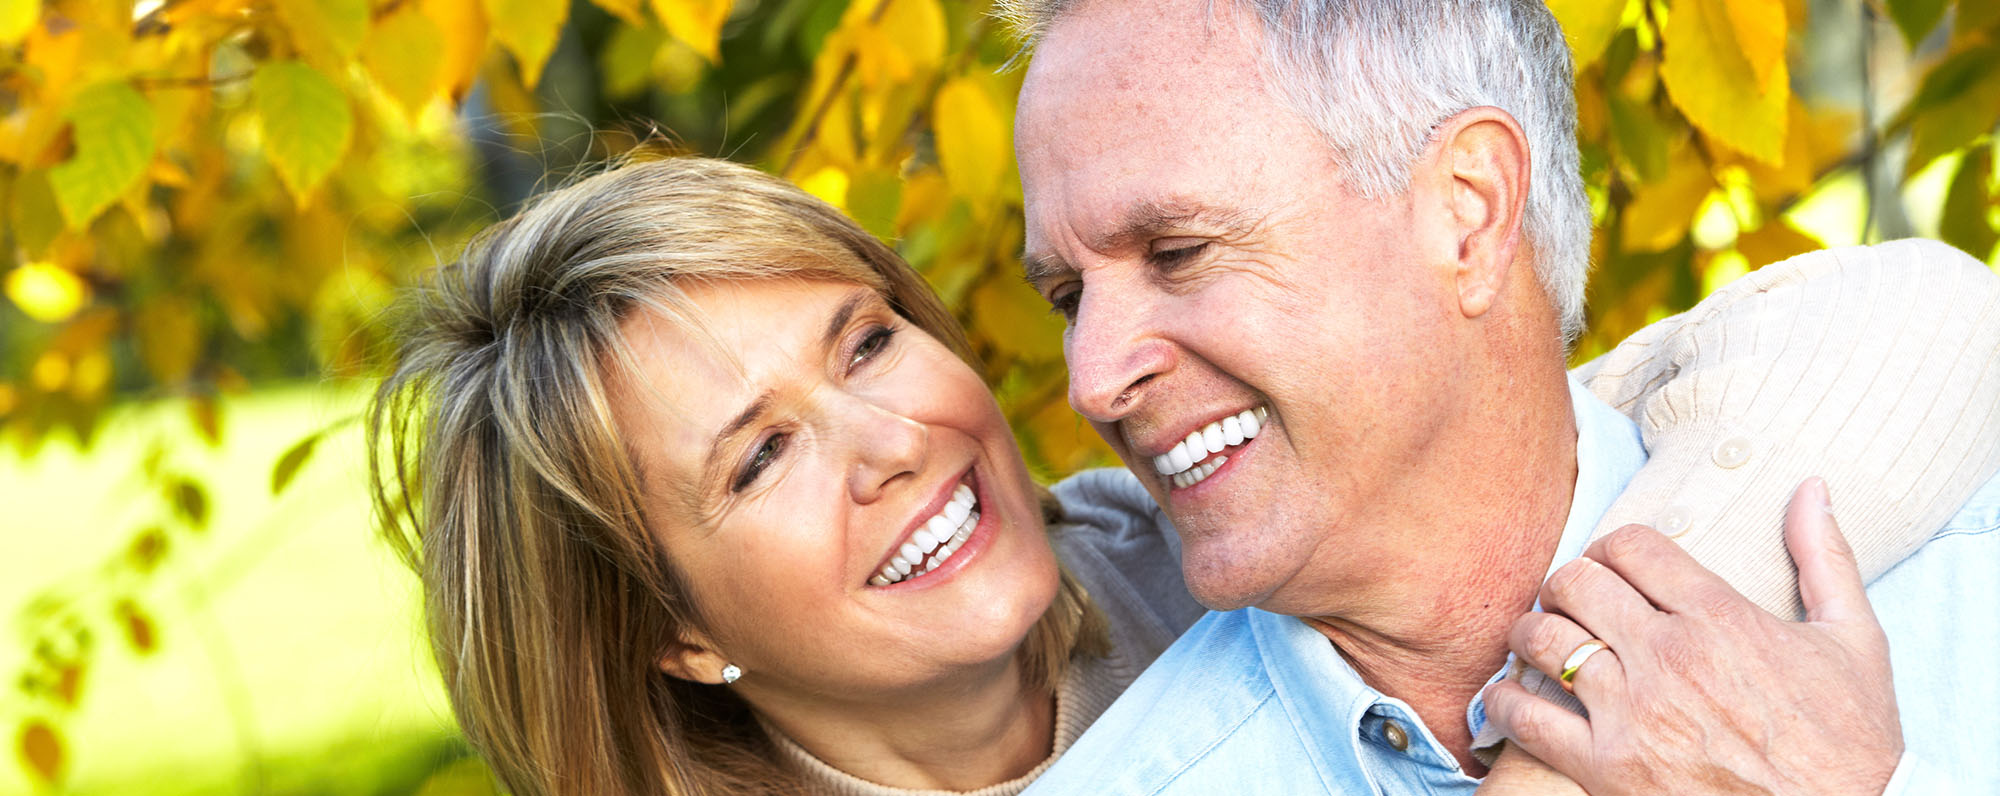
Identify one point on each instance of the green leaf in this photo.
(1916, 18)
(306, 123)
(1958, 101)
(288, 465)
(1588, 25)
(326, 32)
(1966, 206)
(113, 130)
(190, 500)
(528, 29)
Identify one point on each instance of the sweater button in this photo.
(1732, 452)
(1676, 521)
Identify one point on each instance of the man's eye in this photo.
(1065, 302)
(767, 452)
(1168, 258)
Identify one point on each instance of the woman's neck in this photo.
(960, 735)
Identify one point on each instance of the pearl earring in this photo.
(730, 673)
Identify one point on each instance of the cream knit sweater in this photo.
(1876, 368)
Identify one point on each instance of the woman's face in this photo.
(801, 470)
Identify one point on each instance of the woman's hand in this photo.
(1700, 691)
(1517, 773)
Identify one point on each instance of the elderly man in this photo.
(1362, 222)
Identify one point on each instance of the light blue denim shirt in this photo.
(1254, 702)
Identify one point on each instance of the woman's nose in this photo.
(886, 446)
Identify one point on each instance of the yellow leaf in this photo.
(1759, 26)
(1714, 84)
(403, 57)
(306, 123)
(1795, 171)
(1660, 213)
(326, 32)
(627, 11)
(47, 292)
(461, 43)
(1777, 240)
(1014, 318)
(696, 23)
(829, 184)
(528, 29)
(1588, 25)
(113, 130)
(138, 627)
(893, 41)
(42, 749)
(17, 17)
(972, 141)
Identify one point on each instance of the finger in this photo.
(1598, 599)
(1547, 641)
(1664, 573)
(1558, 737)
(1829, 578)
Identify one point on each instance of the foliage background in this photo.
(208, 203)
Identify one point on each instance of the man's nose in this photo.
(884, 445)
(1114, 351)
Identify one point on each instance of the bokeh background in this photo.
(209, 203)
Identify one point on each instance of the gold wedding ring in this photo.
(1575, 660)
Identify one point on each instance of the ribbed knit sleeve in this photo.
(1876, 368)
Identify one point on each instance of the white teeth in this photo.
(1188, 457)
(1198, 474)
(933, 542)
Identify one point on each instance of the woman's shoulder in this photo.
(1117, 541)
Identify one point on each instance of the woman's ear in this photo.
(694, 660)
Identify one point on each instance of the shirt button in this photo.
(1676, 521)
(1732, 452)
(1396, 735)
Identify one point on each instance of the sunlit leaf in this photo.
(288, 465)
(461, 42)
(190, 500)
(1967, 206)
(327, 32)
(16, 18)
(1660, 213)
(972, 139)
(1776, 241)
(113, 130)
(46, 292)
(1759, 27)
(42, 750)
(1714, 84)
(147, 549)
(68, 685)
(528, 29)
(697, 23)
(306, 123)
(206, 412)
(1588, 25)
(1916, 18)
(1958, 101)
(874, 199)
(1010, 314)
(403, 57)
(140, 631)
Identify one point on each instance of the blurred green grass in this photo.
(290, 655)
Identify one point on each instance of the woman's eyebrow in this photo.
(836, 322)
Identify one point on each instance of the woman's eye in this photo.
(767, 452)
(871, 344)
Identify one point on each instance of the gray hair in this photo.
(1376, 77)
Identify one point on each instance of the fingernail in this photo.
(1817, 487)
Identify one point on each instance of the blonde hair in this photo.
(499, 473)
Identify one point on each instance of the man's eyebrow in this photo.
(1143, 219)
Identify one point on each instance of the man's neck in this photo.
(1434, 630)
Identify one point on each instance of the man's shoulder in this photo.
(1206, 714)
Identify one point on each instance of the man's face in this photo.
(1194, 232)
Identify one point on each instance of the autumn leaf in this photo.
(46, 292)
(1010, 314)
(327, 32)
(289, 464)
(1777, 240)
(113, 130)
(42, 750)
(973, 144)
(1712, 81)
(1958, 101)
(461, 41)
(1659, 214)
(528, 29)
(1759, 28)
(1967, 206)
(139, 628)
(17, 17)
(190, 500)
(696, 23)
(1588, 25)
(403, 57)
(306, 123)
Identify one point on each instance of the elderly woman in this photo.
(707, 499)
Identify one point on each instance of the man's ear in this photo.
(693, 659)
(1484, 156)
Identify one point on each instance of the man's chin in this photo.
(1225, 587)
